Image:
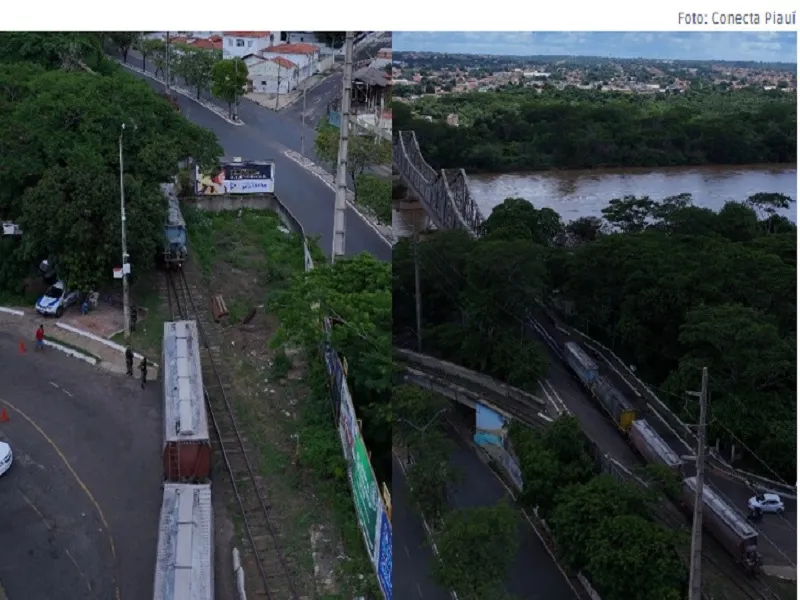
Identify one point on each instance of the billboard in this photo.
(383, 558)
(348, 426)
(365, 494)
(246, 177)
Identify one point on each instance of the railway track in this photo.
(275, 580)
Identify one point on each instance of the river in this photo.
(575, 194)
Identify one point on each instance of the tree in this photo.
(476, 547)
(195, 65)
(229, 81)
(124, 41)
(355, 293)
(362, 152)
(376, 194)
(63, 180)
(149, 47)
(333, 39)
(67, 50)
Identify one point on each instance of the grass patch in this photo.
(375, 194)
(149, 332)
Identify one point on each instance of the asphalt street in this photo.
(412, 555)
(266, 136)
(779, 533)
(533, 574)
(86, 465)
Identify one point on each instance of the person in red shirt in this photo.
(40, 338)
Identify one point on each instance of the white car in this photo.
(56, 300)
(768, 503)
(6, 457)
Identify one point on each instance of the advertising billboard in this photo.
(247, 177)
(365, 494)
(383, 559)
(348, 426)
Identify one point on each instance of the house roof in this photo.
(247, 34)
(207, 44)
(294, 49)
(283, 62)
(372, 76)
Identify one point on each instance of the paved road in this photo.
(779, 541)
(267, 135)
(412, 554)
(54, 543)
(533, 575)
(317, 100)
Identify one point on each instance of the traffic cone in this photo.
(21, 347)
(4, 416)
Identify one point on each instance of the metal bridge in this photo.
(444, 194)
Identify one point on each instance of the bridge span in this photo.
(444, 194)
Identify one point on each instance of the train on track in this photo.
(175, 236)
(724, 522)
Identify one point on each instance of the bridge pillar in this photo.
(408, 213)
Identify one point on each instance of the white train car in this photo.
(185, 559)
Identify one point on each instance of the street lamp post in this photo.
(125, 268)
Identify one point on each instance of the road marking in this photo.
(66, 392)
(419, 589)
(50, 528)
(77, 479)
(55, 385)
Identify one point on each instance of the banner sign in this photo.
(365, 494)
(490, 427)
(383, 560)
(348, 426)
(249, 177)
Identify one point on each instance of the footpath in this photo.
(68, 339)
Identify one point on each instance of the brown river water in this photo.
(575, 194)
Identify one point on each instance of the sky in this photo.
(761, 46)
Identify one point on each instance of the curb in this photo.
(324, 176)
(207, 105)
(12, 311)
(113, 345)
(73, 353)
(425, 525)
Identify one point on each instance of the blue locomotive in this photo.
(175, 238)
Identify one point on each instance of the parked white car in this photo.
(56, 300)
(767, 503)
(6, 457)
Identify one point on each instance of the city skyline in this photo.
(727, 46)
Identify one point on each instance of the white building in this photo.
(307, 57)
(275, 75)
(238, 44)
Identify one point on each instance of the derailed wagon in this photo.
(185, 555)
(187, 447)
(653, 447)
(729, 528)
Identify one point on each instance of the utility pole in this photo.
(695, 573)
(417, 291)
(341, 169)
(168, 53)
(278, 90)
(303, 130)
(125, 291)
(236, 88)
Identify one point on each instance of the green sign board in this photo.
(365, 494)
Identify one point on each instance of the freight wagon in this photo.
(614, 403)
(175, 238)
(653, 447)
(726, 525)
(185, 554)
(585, 368)
(187, 447)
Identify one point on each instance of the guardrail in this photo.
(372, 509)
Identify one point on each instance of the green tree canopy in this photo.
(229, 80)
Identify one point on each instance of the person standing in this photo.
(143, 369)
(40, 338)
(129, 360)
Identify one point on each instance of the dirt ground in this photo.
(247, 263)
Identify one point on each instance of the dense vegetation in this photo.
(672, 288)
(524, 130)
(62, 105)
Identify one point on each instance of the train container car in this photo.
(583, 366)
(175, 237)
(653, 447)
(185, 555)
(187, 447)
(614, 403)
(726, 525)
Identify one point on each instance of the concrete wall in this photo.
(253, 201)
